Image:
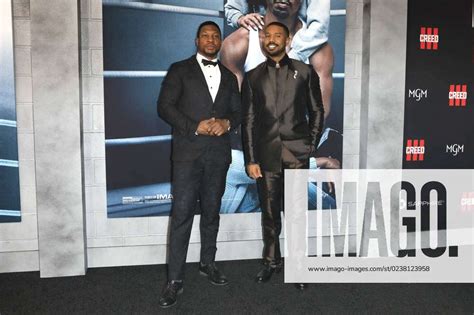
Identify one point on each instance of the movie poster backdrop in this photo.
(9, 174)
(141, 41)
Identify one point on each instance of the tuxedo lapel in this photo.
(201, 80)
(222, 84)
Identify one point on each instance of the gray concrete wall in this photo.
(374, 92)
(57, 126)
(381, 137)
(353, 83)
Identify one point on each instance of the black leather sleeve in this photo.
(249, 130)
(315, 107)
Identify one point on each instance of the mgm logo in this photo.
(418, 94)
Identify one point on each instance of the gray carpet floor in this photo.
(135, 290)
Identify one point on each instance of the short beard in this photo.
(275, 53)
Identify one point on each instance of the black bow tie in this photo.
(208, 62)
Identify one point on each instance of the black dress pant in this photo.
(271, 192)
(203, 179)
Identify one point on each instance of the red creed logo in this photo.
(429, 38)
(467, 201)
(415, 150)
(457, 95)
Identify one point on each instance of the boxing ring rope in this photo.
(136, 140)
(161, 8)
(135, 74)
(338, 12)
(8, 163)
(10, 213)
(7, 123)
(158, 139)
(160, 74)
(177, 9)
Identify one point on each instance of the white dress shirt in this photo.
(212, 75)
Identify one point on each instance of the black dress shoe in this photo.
(301, 286)
(266, 273)
(214, 275)
(169, 295)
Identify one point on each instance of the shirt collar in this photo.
(284, 61)
(200, 57)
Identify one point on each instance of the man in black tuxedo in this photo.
(282, 121)
(200, 99)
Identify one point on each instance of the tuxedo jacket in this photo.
(292, 116)
(185, 100)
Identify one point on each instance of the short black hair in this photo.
(205, 24)
(283, 26)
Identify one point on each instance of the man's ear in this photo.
(288, 40)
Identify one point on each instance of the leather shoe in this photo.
(301, 286)
(266, 273)
(214, 275)
(169, 295)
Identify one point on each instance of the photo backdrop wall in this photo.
(439, 128)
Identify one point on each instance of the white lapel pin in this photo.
(296, 73)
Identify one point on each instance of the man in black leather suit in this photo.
(200, 99)
(282, 120)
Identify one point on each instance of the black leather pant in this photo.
(271, 192)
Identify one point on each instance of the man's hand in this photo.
(218, 127)
(251, 20)
(253, 170)
(328, 163)
(204, 126)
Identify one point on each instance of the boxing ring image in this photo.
(9, 171)
(141, 40)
